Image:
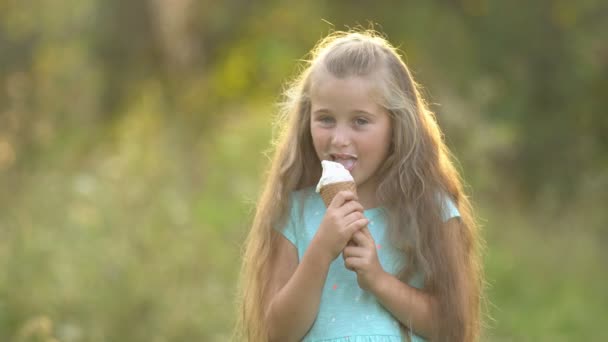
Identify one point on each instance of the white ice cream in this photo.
(333, 173)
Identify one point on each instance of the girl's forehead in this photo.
(327, 89)
(345, 95)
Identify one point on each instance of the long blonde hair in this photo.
(418, 169)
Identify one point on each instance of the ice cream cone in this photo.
(335, 178)
(329, 191)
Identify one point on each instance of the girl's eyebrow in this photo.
(321, 111)
(356, 111)
(363, 112)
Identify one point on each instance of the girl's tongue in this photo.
(348, 163)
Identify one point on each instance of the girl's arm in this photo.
(411, 306)
(418, 309)
(295, 289)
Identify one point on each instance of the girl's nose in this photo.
(340, 137)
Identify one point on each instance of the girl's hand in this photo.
(343, 218)
(362, 258)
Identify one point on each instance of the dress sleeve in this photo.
(290, 226)
(449, 209)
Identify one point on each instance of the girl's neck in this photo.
(367, 195)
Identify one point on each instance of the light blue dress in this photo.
(346, 312)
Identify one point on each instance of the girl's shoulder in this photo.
(449, 209)
(305, 201)
(305, 192)
(304, 196)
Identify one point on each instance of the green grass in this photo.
(546, 279)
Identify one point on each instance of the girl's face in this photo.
(348, 126)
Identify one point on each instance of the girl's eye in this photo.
(361, 121)
(325, 120)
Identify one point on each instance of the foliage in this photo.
(133, 138)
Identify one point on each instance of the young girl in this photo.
(398, 260)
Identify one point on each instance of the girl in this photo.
(409, 265)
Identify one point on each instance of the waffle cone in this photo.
(329, 191)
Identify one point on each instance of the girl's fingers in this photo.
(350, 207)
(352, 217)
(363, 240)
(366, 231)
(341, 198)
(353, 263)
(356, 226)
(353, 251)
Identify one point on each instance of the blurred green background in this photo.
(134, 136)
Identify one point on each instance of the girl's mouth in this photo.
(347, 160)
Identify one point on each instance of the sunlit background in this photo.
(134, 136)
